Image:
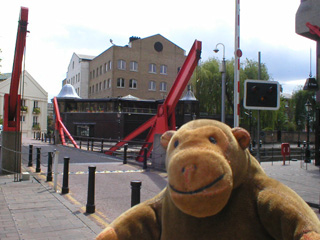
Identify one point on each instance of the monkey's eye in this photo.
(176, 143)
(212, 140)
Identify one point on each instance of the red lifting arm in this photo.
(313, 29)
(160, 123)
(12, 105)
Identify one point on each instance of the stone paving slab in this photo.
(30, 210)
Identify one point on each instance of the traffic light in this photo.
(261, 95)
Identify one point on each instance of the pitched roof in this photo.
(4, 76)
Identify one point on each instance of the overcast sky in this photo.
(60, 28)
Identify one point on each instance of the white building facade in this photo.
(78, 73)
(34, 100)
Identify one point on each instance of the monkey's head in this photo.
(205, 161)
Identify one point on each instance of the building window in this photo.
(163, 69)
(106, 67)
(133, 84)
(23, 102)
(178, 70)
(109, 83)
(78, 77)
(97, 87)
(152, 68)
(97, 72)
(93, 74)
(35, 120)
(35, 104)
(152, 85)
(92, 89)
(109, 65)
(105, 84)
(89, 90)
(121, 64)
(120, 82)
(100, 70)
(22, 118)
(163, 86)
(134, 66)
(100, 86)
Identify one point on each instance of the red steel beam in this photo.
(313, 29)
(60, 126)
(17, 64)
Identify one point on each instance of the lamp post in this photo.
(308, 109)
(223, 79)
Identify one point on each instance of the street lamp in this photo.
(223, 76)
(308, 109)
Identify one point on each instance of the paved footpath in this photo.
(31, 210)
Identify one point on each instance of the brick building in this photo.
(145, 68)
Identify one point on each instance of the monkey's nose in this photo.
(188, 171)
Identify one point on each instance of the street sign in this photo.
(261, 95)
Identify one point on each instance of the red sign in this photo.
(285, 149)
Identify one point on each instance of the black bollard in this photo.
(145, 158)
(65, 183)
(30, 155)
(90, 207)
(102, 146)
(125, 149)
(38, 168)
(135, 192)
(49, 171)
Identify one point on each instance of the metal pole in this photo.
(55, 169)
(38, 167)
(65, 183)
(90, 207)
(308, 139)
(30, 155)
(223, 91)
(237, 55)
(145, 158)
(135, 192)
(49, 171)
(258, 123)
(125, 153)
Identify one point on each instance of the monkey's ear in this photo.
(165, 138)
(242, 136)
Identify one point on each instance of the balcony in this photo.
(36, 110)
(36, 126)
(24, 109)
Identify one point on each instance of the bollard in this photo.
(102, 146)
(38, 168)
(145, 158)
(135, 192)
(41, 137)
(90, 207)
(30, 155)
(65, 183)
(80, 144)
(125, 153)
(92, 145)
(45, 137)
(88, 145)
(49, 171)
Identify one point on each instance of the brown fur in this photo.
(216, 190)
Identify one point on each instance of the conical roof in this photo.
(189, 96)
(68, 91)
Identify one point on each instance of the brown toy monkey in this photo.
(216, 190)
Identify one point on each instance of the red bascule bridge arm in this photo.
(165, 118)
(313, 29)
(11, 118)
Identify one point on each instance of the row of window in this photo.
(122, 65)
(74, 79)
(121, 83)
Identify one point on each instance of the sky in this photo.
(60, 28)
